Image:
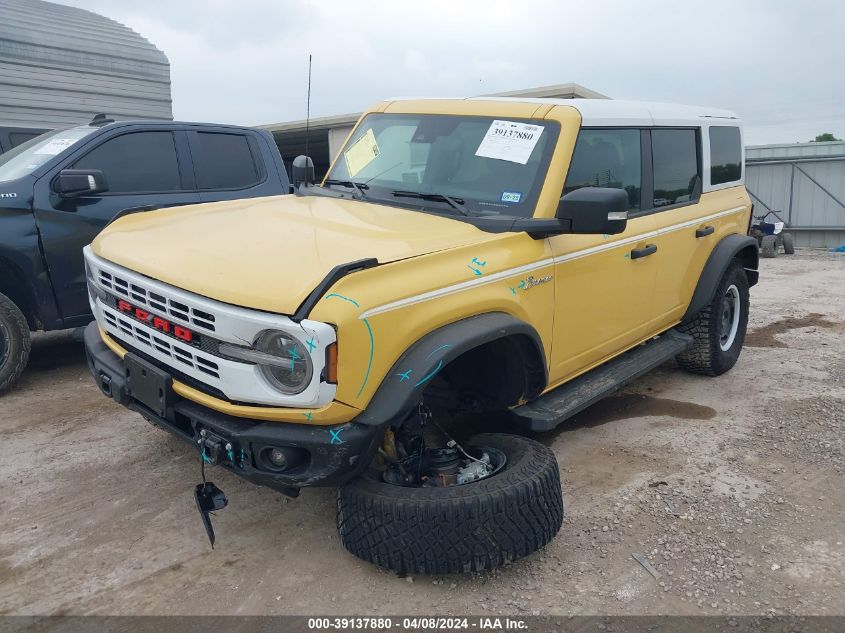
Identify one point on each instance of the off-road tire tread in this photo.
(473, 527)
(20, 342)
(788, 243)
(704, 356)
(769, 246)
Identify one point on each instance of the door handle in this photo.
(645, 251)
(707, 230)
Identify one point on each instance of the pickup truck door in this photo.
(142, 167)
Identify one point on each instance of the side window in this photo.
(725, 155)
(19, 138)
(607, 158)
(139, 162)
(225, 161)
(675, 161)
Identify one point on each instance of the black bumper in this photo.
(327, 455)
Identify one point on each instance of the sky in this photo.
(777, 63)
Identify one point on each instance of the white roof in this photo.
(616, 112)
(595, 112)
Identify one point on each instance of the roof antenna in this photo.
(308, 105)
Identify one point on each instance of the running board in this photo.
(549, 410)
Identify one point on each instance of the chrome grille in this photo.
(139, 295)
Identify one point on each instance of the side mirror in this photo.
(301, 172)
(72, 183)
(594, 210)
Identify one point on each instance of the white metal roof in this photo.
(616, 112)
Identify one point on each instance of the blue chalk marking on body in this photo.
(437, 349)
(405, 375)
(432, 374)
(372, 339)
(352, 301)
(335, 436)
(475, 270)
(294, 356)
(311, 344)
(308, 415)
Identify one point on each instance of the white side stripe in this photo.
(527, 268)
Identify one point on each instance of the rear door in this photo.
(142, 167)
(228, 165)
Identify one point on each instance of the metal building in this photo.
(326, 135)
(59, 65)
(804, 185)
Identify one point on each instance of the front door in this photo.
(141, 168)
(604, 284)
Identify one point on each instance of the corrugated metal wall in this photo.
(59, 65)
(804, 183)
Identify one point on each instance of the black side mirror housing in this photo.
(594, 210)
(72, 183)
(301, 172)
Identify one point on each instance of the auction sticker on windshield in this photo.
(361, 153)
(510, 140)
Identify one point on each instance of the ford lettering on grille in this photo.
(157, 322)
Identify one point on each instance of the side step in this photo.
(549, 410)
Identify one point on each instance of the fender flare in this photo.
(401, 388)
(720, 258)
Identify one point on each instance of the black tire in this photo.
(769, 246)
(455, 529)
(705, 356)
(788, 243)
(14, 343)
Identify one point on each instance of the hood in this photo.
(270, 253)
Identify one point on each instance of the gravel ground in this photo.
(730, 489)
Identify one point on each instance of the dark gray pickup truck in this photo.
(58, 190)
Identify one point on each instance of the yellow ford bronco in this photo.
(462, 256)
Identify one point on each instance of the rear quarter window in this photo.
(225, 161)
(725, 154)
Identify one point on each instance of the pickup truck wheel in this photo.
(718, 330)
(460, 528)
(14, 342)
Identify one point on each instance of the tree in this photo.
(827, 136)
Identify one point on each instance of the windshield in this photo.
(485, 165)
(27, 157)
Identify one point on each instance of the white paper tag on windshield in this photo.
(510, 140)
(55, 146)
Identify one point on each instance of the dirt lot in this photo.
(732, 488)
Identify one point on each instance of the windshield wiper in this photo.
(357, 186)
(455, 203)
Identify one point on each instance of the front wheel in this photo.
(718, 330)
(456, 528)
(14, 342)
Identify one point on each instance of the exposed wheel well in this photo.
(493, 376)
(749, 257)
(13, 285)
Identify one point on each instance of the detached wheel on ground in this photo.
(769, 246)
(788, 243)
(718, 330)
(14, 343)
(458, 528)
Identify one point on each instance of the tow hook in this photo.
(208, 496)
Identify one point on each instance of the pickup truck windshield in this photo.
(448, 163)
(26, 158)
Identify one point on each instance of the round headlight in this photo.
(293, 372)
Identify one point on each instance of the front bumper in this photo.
(330, 455)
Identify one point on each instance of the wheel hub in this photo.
(443, 467)
(729, 317)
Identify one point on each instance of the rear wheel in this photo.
(14, 342)
(769, 246)
(436, 528)
(718, 330)
(788, 243)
